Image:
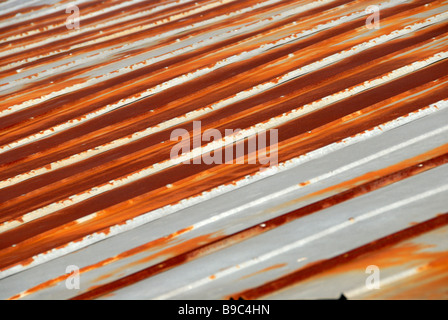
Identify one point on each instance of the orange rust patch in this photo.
(154, 244)
(151, 245)
(406, 253)
(430, 283)
(178, 249)
(54, 281)
(352, 116)
(380, 173)
(274, 267)
(359, 257)
(195, 251)
(165, 253)
(432, 290)
(370, 176)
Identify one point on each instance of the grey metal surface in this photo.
(104, 106)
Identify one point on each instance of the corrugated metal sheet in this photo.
(87, 178)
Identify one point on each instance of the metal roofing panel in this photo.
(352, 171)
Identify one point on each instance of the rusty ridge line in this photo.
(284, 219)
(132, 53)
(53, 233)
(45, 221)
(161, 19)
(15, 209)
(309, 271)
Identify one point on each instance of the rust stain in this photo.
(370, 176)
(425, 289)
(175, 250)
(400, 255)
(180, 254)
(153, 245)
(430, 283)
(274, 267)
(76, 107)
(317, 269)
(357, 191)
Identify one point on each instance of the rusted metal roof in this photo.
(92, 92)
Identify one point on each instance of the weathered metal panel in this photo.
(88, 177)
